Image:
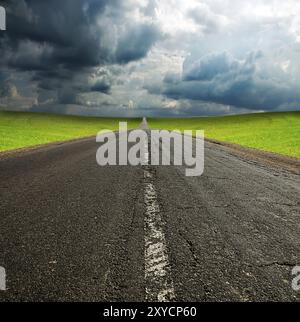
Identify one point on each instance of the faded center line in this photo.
(159, 284)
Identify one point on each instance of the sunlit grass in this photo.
(274, 132)
(28, 129)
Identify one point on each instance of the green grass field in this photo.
(19, 130)
(274, 132)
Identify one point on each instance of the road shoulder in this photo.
(271, 159)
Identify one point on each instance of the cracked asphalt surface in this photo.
(71, 230)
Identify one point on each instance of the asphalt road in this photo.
(71, 230)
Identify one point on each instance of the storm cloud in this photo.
(222, 79)
(62, 42)
(150, 57)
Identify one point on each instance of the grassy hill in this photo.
(274, 132)
(28, 129)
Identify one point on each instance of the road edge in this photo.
(275, 160)
(278, 161)
(39, 147)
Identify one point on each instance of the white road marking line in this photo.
(159, 284)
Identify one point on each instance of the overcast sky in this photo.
(150, 57)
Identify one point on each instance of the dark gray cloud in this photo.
(222, 79)
(211, 66)
(132, 57)
(62, 42)
(101, 86)
(136, 43)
